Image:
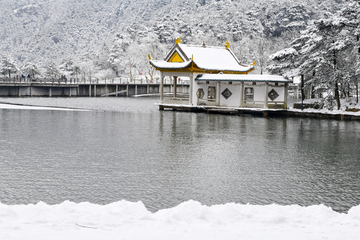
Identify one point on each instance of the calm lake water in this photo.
(125, 148)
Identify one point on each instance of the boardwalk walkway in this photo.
(20, 87)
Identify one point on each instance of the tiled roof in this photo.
(207, 58)
(241, 78)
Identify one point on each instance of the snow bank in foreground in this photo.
(189, 220)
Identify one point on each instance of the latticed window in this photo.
(249, 94)
(212, 93)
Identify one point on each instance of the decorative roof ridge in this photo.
(162, 60)
(201, 46)
(176, 48)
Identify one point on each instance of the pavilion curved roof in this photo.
(169, 65)
(203, 57)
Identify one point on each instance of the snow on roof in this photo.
(207, 58)
(164, 64)
(241, 78)
(213, 58)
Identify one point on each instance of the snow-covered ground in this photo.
(345, 104)
(189, 220)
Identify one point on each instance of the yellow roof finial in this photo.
(178, 40)
(192, 57)
(227, 44)
(149, 57)
(253, 63)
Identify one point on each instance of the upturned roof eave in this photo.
(242, 78)
(166, 66)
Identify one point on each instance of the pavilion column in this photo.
(266, 94)
(161, 86)
(242, 94)
(218, 93)
(191, 88)
(175, 85)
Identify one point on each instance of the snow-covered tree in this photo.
(67, 66)
(118, 52)
(31, 69)
(52, 30)
(261, 55)
(8, 66)
(76, 71)
(321, 53)
(351, 13)
(101, 59)
(52, 69)
(86, 69)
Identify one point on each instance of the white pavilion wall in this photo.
(235, 88)
(234, 99)
(259, 91)
(280, 90)
(204, 86)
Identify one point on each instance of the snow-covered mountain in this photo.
(101, 31)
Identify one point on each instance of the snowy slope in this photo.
(43, 30)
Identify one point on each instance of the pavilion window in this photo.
(212, 93)
(249, 94)
(200, 93)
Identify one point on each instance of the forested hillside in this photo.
(111, 37)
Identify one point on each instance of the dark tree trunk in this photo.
(302, 87)
(337, 95)
(357, 91)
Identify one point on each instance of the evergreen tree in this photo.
(52, 69)
(8, 66)
(67, 66)
(321, 53)
(31, 69)
(76, 71)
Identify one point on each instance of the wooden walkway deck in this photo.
(261, 112)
